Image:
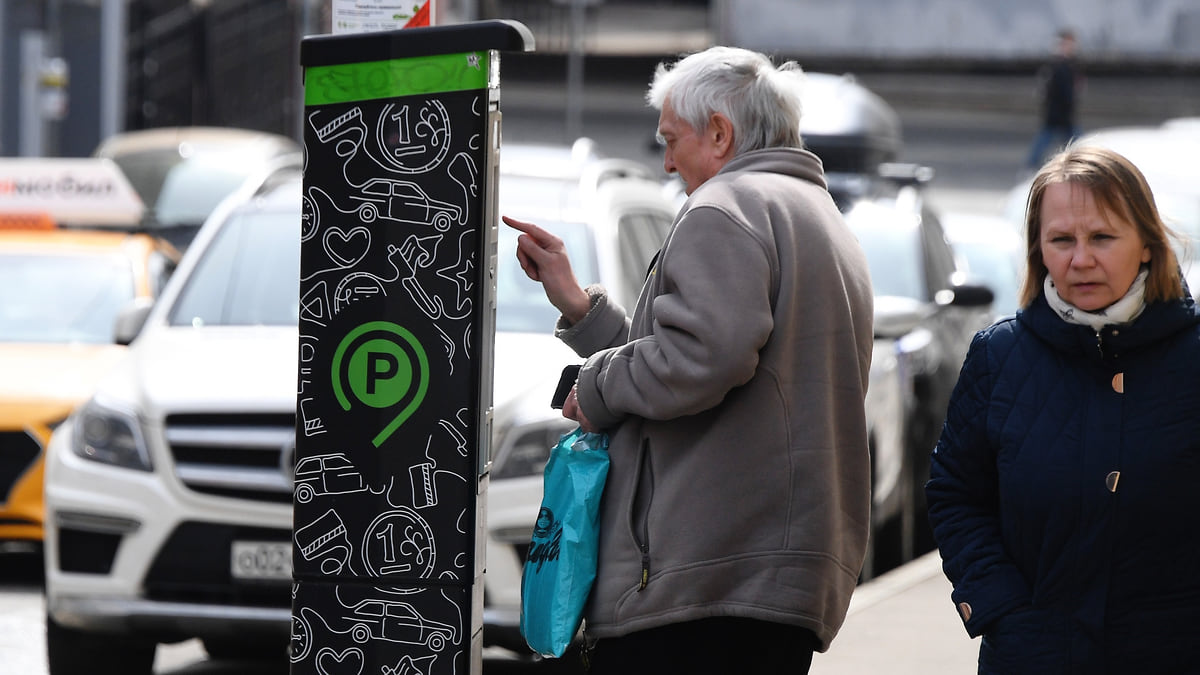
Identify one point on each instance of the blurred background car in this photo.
(925, 310)
(994, 253)
(62, 286)
(179, 454)
(931, 311)
(182, 173)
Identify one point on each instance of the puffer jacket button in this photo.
(1118, 383)
(1110, 481)
(965, 610)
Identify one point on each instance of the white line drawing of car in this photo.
(406, 202)
(330, 474)
(397, 622)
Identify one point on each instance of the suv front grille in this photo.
(18, 450)
(246, 456)
(194, 566)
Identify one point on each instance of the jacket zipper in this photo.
(645, 490)
(1100, 343)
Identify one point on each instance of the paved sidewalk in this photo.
(902, 623)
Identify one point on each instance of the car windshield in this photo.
(1181, 212)
(249, 275)
(182, 191)
(241, 278)
(62, 298)
(995, 266)
(893, 255)
(521, 304)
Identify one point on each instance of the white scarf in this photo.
(1122, 311)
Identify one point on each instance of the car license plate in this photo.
(261, 560)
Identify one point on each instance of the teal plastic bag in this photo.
(561, 564)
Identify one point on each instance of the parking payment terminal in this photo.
(397, 314)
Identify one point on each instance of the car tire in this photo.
(255, 649)
(304, 493)
(436, 642)
(76, 652)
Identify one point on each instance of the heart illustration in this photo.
(347, 248)
(349, 662)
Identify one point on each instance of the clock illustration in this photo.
(301, 638)
(310, 218)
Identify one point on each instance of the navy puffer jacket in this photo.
(1064, 493)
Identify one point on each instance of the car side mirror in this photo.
(965, 295)
(896, 316)
(131, 319)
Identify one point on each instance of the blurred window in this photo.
(249, 275)
(639, 236)
(159, 269)
(62, 298)
(1181, 212)
(179, 191)
(893, 255)
(192, 189)
(521, 304)
(996, 266)
(939, 256)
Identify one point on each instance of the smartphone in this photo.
(565, 382)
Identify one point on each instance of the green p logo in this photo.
(381, 365)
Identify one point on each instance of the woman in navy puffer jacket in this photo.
(1064, 492)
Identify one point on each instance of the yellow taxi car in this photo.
(61, 290)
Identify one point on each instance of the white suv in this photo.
(181, 465)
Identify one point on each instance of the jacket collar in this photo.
(1158, 321)
(788, 161)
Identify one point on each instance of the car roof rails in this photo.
(906, 173)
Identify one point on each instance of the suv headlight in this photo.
(530, 449)
(109, 434)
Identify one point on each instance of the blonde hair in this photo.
(1120, 189)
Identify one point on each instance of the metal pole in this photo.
(52, 49)
(3, 88)
(113, 17)
(32, 132)
(575, 73)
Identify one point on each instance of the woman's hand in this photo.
(544, 259)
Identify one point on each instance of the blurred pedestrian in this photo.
(736, 512)
(1063, 492)
(1059, 84)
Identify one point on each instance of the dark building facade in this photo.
(222, 63)
(188, 62)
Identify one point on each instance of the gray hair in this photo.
(762, 101)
